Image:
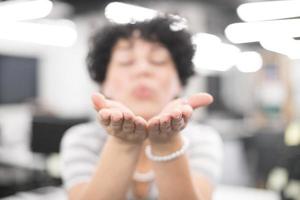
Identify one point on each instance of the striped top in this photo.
(82, 144)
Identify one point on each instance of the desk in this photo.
(21, 170)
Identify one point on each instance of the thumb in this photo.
(99, 101)
(200, 100)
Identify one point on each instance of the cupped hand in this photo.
(175, 116)
(119, 121)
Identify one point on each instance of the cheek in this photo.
(170, 84)
(114, 85)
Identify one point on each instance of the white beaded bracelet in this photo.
(143, 177)
(168, 157)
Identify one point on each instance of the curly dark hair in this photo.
(159, 29)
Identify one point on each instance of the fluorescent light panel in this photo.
(212, 54)
(287, 46)
(205, 39)
(125, 13)
(24, 10)
(257, 31)
(249, 61)
(269, 10)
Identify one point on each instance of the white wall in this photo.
(64, 82)
(238, 90)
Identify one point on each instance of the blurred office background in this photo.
(248, 57)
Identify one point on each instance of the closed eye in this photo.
(126, 62)
(158, 62)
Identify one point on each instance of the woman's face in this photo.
(141, 75)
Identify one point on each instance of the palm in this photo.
(119, 121)
(175, 116)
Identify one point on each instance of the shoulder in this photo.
(203, 134)
(205, 151)
(79, 152)
(89, 134)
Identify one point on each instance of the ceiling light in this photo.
(125, 13)
(56, 33)
(257, 31)
(287, 46)
(269, 10)
(249, 61)
(212, 54)
(205, 39)
(24, 10)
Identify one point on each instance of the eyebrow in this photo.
(124, 45)
(159, 48)
(128, 45)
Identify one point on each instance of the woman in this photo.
(143, 145)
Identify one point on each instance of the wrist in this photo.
(162, 149)
(125, 145)
(170, 156)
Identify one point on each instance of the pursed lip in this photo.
(143, 92)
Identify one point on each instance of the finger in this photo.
(117, 105)
(179, 101)
(177, 121)
(199, 100)
(179, 125)
(140, 125)
(187, 112)
(116, 120)
(128, 123)
(104, 117)
(99, 101)
(176, 114)
(165, 124)
(154, 126)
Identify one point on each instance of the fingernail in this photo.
(178, 117)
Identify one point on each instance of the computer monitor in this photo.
(18, 79)
(47, 132)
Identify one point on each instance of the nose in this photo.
(143, 68)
